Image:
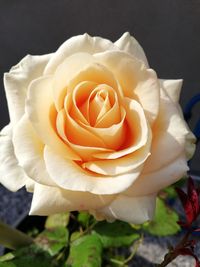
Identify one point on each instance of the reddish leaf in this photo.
(193, 196)
(189, 212)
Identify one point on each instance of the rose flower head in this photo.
(93, 128)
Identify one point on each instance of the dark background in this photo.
(168, 30)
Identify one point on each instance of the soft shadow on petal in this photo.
(29, 151)
(150, 183)
(129, 44)
(172, 88)
(16, 83)
(135, 210)
(50, 200)
(81, 43)
(42, 115)
(12, 175)
(73, 177)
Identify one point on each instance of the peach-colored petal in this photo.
(41, 113)
(121, 165)
(129, 44)
(137, 133)
(169, 135)
(114, 136)
(17, 81)
(12, 175)
(65, 72)
(153, 182)
(135, 210)
(136, 81)
(172, 88)
(86, 153)
(79, 110)
(75, 133)
(29, 151)
(81, 43)
(72, 177)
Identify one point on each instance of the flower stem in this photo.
(12, 238)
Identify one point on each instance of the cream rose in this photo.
(93, 128)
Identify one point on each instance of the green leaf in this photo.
(13, 238)
(85, 251)
(171, 192)
(84, 218)
(75, 235)
(165, 221)
(31, 256)
(56, 220)
(115, 234)
(53, 240)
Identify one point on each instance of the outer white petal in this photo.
(41, 113)
(153, 182)
(77, 44)
(17, 81)
(172, 88)
(129, 44)
(169, 136)
(12, 175)
(130, 209)
(72, 177)
(29, 152)
(50, 200)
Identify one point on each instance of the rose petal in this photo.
(172, 88)
(129, 44)
(135, 80)
(41, 113)
(169, 135)
(12, 175)
(135, 210)
(29, 151)
(137, 134)
(73, 177)
(114, 136)
(81, 43)
(17, 80)
(121, 165)
(80, 94)
(65, 72)
(50, 200)
(150, 183)
(75, 133)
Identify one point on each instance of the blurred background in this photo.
(169, 32)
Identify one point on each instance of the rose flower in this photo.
(93, 128)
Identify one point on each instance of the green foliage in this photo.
(85, 251)
(79, 241)
(31, 256)
(53, 240)
(84, 218)
(57, 220)
(165, 221)
(115, 234)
